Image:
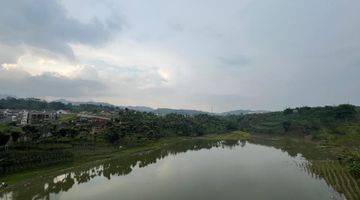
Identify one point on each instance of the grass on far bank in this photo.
(234, 135)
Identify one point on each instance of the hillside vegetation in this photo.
(336, 128)
(318, 122)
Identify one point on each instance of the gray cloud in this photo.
(229, 54)
(45, 25)
(236, 61)
(127, 76)
(20, 83)
(9, 54)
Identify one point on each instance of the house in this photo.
(62, 112)
(8, 115)
(14, 118)
(25, 118)
(36, 117)
(39, 117)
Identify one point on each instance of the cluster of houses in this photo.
(24, 117)
(94, 123)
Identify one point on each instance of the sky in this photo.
(197, 54)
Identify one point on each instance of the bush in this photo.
(345, 111)
(286, 125)
(112, 137)
(353, 163)
(288, 111)
(15, 136)
(4, 139)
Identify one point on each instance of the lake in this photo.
(191, 169)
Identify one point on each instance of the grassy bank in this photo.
(234, 135)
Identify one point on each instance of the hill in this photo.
(242, 112)
(165, 111)
(39, 104)
(137, 108)
(318, 122)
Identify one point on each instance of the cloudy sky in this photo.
(195, 54)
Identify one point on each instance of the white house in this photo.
(62, 112)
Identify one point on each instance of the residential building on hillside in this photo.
(62, 112)
(35, 117)
(8, 115)
(25, 118)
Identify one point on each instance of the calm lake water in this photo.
(193, 169)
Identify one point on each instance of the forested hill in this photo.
(166, 111)
(76, 103)
(38, 104)
(90, 106)
(318, 122)
(335, 129)
(242, 112)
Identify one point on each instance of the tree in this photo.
(28, 129)
(67, 132)
(112, 137)
(31, 131)
(303, 110)
(231, 125)
(345, 111)
(286, 125)
(15, 135)
(288, 111)
(4, 139)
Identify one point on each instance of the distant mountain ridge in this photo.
(137, 108)
(64, 101)
(4, 96)
(158, 111)
(165, 111)
(242, 112)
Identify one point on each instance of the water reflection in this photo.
(42, 187)
(320, 165)
(46, 187)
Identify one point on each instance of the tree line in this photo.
(141, 125)
(38, 104)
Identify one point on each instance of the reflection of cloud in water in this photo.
(176, 162)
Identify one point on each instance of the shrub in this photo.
(288, 111)
(112, 137)
(353, 163)
(15, 136)
(345, 111)
(4, 139)
(286, 125)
